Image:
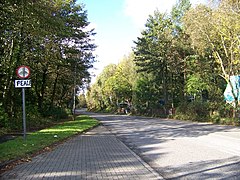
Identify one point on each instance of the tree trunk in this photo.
(42, 91)
(54, 88)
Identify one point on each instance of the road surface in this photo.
(179, 149)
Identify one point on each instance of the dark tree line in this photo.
(51, 37)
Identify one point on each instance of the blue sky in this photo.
(118, 23)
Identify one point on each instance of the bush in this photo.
(56, 113)
(4, 121)
(34, 120)
(195, 111)
(228, 121)
(222, 113)
(225, 110)
(215, 118)
(3, 131)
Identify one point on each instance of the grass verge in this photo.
(37, 141)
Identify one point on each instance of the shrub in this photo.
(225, 110)
(56, 113)
(4, 121)
(222, 113)
(195, 111)
(3, 131)
(34, 120)
(215, 118)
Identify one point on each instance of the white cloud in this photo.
(114, 40)
(139, 11)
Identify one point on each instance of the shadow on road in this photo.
(154, 139)
(169, 128)
(205, 170)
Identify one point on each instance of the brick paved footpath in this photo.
(97, 154)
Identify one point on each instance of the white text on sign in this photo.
(22, 83)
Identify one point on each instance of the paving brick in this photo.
(95, 155)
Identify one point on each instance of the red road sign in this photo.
(23, 72)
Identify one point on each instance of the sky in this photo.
(118, 23)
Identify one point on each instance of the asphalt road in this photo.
(179, 149)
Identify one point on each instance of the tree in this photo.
(162, 51)
(122, 81)
(113, 86)
(217, 31)
(51, 38)
(100, 96)
(151, 51)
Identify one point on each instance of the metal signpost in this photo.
(23, 72)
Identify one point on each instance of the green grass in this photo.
(18, 148)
